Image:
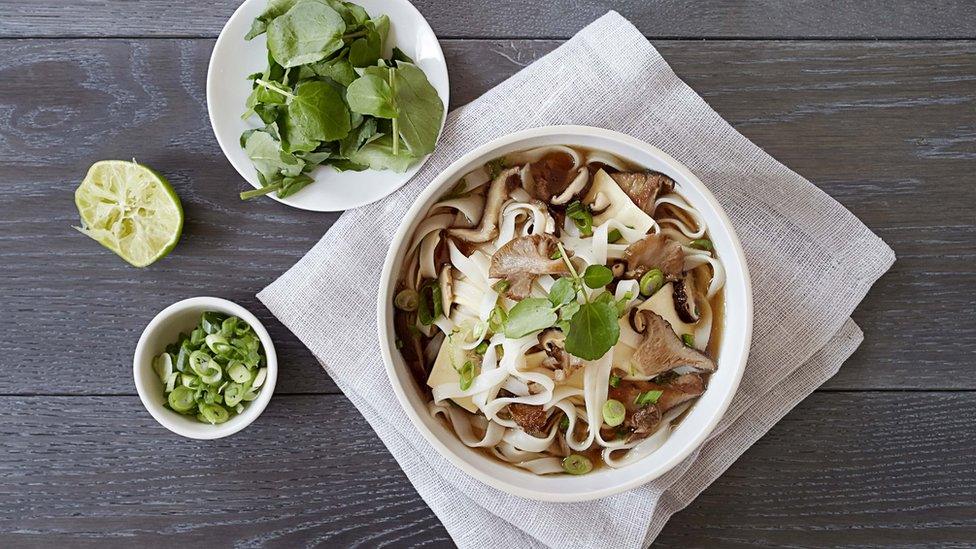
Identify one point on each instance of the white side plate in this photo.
(233, 59)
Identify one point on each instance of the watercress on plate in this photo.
(328, 97)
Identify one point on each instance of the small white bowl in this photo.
(701, 418)
(234, 58)
(165, 328)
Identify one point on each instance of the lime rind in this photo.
(131, 210)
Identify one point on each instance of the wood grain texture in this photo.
(895, 19)
(889, 129)
(310, 472)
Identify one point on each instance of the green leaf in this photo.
(529, 315)
(268, 158)
(357, 138)
(308, 32)
(581, 216)
(593, 330)
(378, 155)
(562, 292)
(342, 165)
(366, 50)
(371, 94)
(318, 113)
(398, 55)
(420, 109)
(597, 276)
(291, 185)
(338, 69)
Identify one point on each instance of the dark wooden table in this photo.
(874, 102)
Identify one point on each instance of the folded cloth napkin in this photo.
(811, 262)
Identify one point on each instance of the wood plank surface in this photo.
(97, 471)
(891, 19)
(887, 128)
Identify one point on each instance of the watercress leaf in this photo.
(352, 14)
(398, 55)
(343, 165)
(338, 69)
(268, 158)
(309, 31)
(420, 109)
(382, 26)
(562, 292)
(357, 138)
(378, 155)
(291, 185)
(597, 276)
(318, 112)
(593, 330)
(529, 315)
(258, 27)
(365, 51)
(568, 310)
(371, 94)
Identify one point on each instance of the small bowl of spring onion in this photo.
(205, 368)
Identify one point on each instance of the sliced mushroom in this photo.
(523, 259)
(488, 227)
(686, 299)
(446, 281)
(563, 364)
(660, 349)
(643, 422)
(552, 174)
(678, 390)
(654, 251)
(644, 187)
(531, 418)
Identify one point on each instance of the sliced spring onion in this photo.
(218, 344)
(199, 361)
(233, 394)
(615, 381)
(688, 340)
(212, 374)
(651, 282)
(214, 413)
(211, 371)
(613, 236)
(171, 381)
(238, 371)
(211, 322)
(649, 397)
(181, 399)
(701, 244)
(163, 365)
(614, 412)
(576, 464)
(407, 300)
(259, 378)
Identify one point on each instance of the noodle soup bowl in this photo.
(699, 421)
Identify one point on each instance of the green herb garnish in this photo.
(648, 397)
(688, 340)
(209, 372)
(701, 244)
(581, 216)
(328, 97)
(576, 464)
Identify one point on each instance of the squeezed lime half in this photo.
(131, 210)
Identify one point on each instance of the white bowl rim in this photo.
(434, 187)
(251, 411)
(422, 23)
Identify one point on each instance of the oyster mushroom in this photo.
(644, 187)
(660, 349)
(552, 174)
(531, 418)
(523, 259)
(644, 420)
(685, 299)
(446, 281)
(654, 251)
(563, 364)
(487, 229)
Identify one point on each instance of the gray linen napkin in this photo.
(811, 262)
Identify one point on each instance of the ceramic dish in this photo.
(233, 59)
(700, 419)
(164, 329)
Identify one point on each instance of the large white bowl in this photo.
(234, 58)
(165, 328)
(701, 419)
